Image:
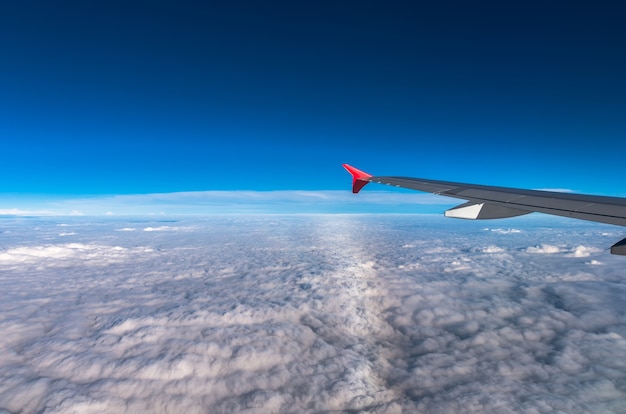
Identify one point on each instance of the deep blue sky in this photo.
(139, 97)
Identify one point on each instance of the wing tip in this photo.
(359, 178)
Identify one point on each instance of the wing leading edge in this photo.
(489, 202)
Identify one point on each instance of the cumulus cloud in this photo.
(383, 314)
(578, 251)
(583, 251)
(493, 249)
(544, 249)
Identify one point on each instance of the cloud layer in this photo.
(310, 313)
(232, 202)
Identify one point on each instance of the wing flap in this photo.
(483, 211)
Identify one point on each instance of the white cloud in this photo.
(578, 251)
(13, 212)
(544, 249)
(24, 212)
(309, 314)
(64, 254)
(504, 231)
(584, 251)
(493, 249)
(159, 228)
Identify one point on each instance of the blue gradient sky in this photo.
(155, 97)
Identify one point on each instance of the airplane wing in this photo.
(488, 202)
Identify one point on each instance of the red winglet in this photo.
(359, 178)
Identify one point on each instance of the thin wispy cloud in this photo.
(230, 202)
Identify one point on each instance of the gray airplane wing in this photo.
(488, 202)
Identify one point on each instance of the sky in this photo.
(321, 313)
(105, 99)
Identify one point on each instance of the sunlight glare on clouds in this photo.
(309, 313)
